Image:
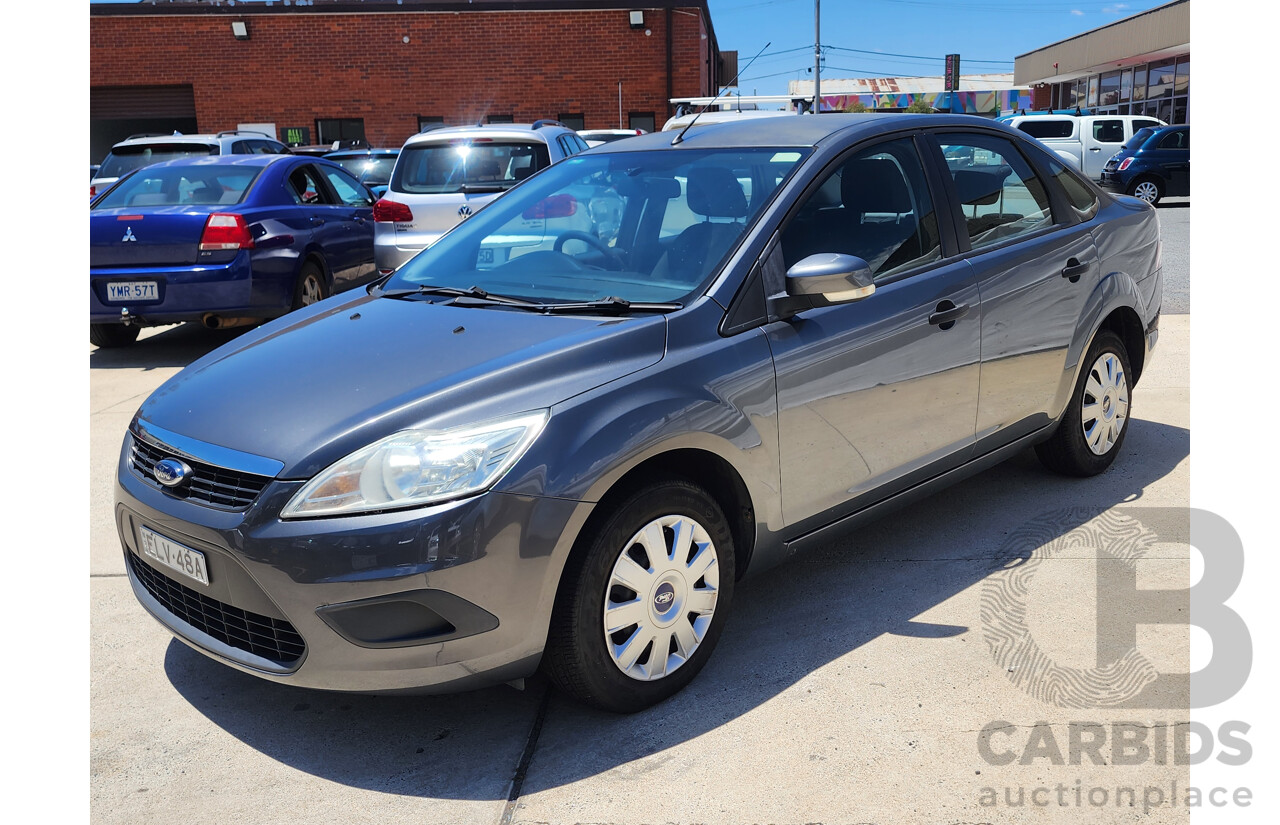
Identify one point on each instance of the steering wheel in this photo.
(610, 254)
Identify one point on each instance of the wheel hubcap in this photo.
(1146, 191)
(661, 597)
(310, 291)
(1105, 406)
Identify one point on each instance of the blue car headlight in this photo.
(417, 467)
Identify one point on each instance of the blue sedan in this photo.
(225, 241)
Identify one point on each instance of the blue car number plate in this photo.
(132, 291)
(176, 557)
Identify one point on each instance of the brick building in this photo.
(381, 70)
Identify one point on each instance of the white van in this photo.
(1087, 141)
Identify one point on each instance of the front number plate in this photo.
(132, 291)
(174, 556)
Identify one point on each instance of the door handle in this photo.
(1074, 269)
(946, 313)
(317, 221)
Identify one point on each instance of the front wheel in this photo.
(105, 336)
(641, 606)
(1097, 417)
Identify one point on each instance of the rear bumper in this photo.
(1113, 181)
(392, 247)
(187, 293)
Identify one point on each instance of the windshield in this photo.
(124, 159)
(639, 226)
(181, 185)
(370, 171)
(492, 164)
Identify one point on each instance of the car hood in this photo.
(315, 385)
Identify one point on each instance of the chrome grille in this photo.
(209, 485)
(263, 636)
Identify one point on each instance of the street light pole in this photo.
(817, 57)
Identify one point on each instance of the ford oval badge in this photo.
(171, 472)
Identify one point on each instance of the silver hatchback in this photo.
(443, 176)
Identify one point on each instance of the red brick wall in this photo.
(297, 67)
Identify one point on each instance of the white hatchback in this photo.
(443, 176)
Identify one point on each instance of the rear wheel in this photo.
(112, 335)
(1147, 189)
(311, 286)
(1097, 418)
(641, 608)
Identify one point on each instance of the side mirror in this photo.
(822, 280)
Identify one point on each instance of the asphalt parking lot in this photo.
(853, 684)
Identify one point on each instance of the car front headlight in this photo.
(417, 467)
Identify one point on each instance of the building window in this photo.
(339, 128)
(573, 121)
(428, 122)
(642, 120)
(1093, 91)
(1109, 89)
(502, 119)
(1126, 85)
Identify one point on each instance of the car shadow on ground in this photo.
(174, 346)
(793, 622)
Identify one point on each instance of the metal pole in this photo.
(817, 57)
(620, 126)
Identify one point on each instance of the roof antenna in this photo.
(732, 83)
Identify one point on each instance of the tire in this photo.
(680, 601)
(1147, 189)
(106, 336)
(1093, 428)
(311, 285)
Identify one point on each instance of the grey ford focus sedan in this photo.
(559, 436)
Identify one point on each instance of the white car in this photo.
(143, 150)
(443, 176)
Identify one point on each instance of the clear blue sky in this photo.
(857, 34)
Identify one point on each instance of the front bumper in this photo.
(187, 293)
(434, 599)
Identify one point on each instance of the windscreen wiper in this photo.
(472, 295)
(604, 306)
(480, 188)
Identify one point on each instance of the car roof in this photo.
(359, 153)
(230, 160)
(516, 130)
(142, 140)
(794, 130)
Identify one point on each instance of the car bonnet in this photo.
(309, 388)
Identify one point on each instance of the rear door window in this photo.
(305, 188)
(1000, 196)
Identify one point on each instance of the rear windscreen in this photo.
(1047, 128)
(182, 185)
(124, 159)
(484, 163)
